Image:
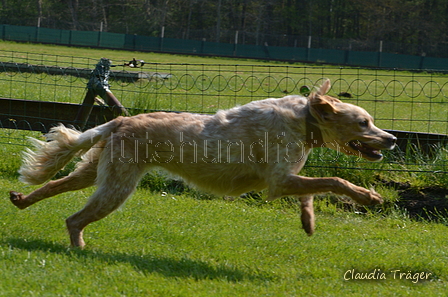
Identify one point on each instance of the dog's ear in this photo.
(324, 88)
(322, 109)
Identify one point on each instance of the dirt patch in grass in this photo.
(422, 202)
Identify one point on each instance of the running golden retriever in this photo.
(262, 144)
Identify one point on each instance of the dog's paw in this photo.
(17, 199)
(308, 227)
(366, 197)
(375, 198)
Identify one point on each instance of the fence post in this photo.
(37, 37)
(85, 109)
(422, 61)
(347, 54)
(380, 53)
(98, 85)
(161, 39)
(308, 49)
(236, 43)
(99, 39)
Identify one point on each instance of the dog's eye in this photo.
(364, 123)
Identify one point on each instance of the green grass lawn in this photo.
(169, 245)
(173, 241)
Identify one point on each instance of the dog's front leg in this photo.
(303, 186)
(306, 206)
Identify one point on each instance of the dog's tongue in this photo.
(373, 153)
(377, 152)
(367, 150)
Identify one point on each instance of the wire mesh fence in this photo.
(404, 101)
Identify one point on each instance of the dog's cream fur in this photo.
(262, 144)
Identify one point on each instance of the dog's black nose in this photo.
(393, 140)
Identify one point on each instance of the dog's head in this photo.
(347, 127)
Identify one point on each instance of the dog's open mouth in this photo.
(367, 151)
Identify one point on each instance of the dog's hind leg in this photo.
(84, 176)
(114, 187)
(306, 205)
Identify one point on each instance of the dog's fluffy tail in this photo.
(62, 145)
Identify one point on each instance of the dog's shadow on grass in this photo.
(169, 267)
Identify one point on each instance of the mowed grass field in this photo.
(167, 241)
